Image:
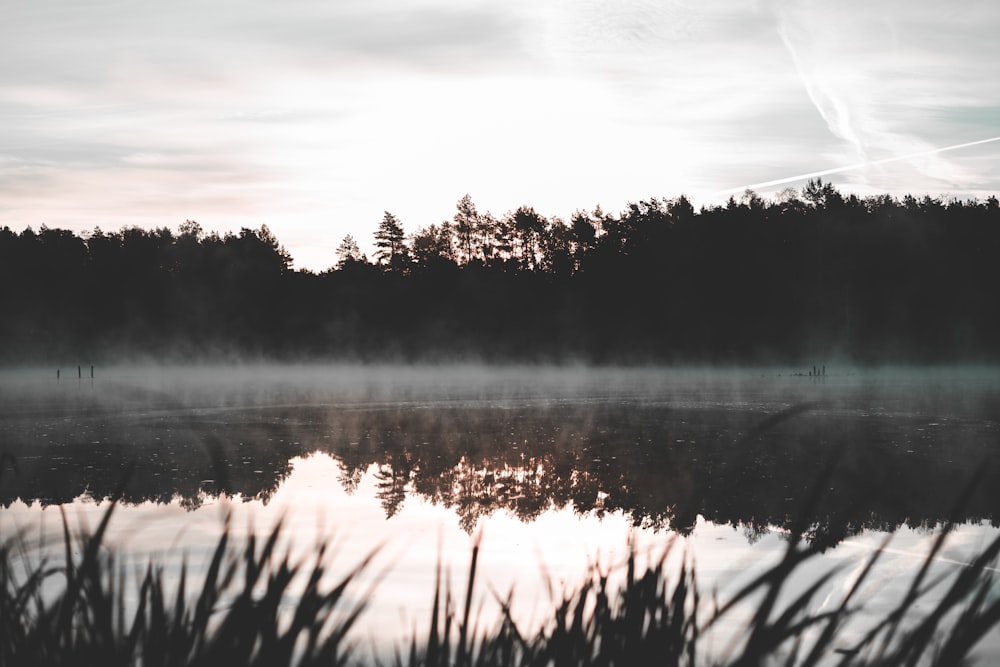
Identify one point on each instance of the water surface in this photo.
(554, 468)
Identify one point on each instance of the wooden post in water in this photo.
(79, 373)
(91, 372)
(58, 371)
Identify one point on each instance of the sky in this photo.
(316, 116)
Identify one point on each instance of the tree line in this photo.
(810, 275)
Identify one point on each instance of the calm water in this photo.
(555, 468)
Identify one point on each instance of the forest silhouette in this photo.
(810, 276)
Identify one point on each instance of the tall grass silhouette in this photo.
(76, 613)
(248, 612)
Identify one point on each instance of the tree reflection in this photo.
(662, 467)
(391, 485)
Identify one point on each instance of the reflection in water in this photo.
(661, 449)
(556, 468)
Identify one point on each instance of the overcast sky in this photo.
(315, 116)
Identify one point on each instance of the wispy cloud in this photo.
(933, 152)
(875, 74)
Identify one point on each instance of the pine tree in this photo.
(348, 252)
(390, 241)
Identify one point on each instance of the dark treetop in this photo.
(812, 276)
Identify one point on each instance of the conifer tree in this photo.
(390, 241)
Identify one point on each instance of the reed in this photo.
(88, 610)
(650, 621)
(75, 613)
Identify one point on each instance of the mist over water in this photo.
(607, 426)
(558, 466)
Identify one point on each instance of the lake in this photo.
(554, 469)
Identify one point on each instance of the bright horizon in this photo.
(314, 118)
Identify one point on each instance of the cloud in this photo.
(884, 76)
(91, 43)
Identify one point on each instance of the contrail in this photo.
(858, 165)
